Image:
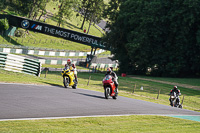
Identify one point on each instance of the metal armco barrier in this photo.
(20, 64)
(93, 65)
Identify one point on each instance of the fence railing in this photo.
(20, 64)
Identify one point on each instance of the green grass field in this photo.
(122, 124)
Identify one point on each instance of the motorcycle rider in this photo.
(178, 93)
(72, 67)
(114, 78)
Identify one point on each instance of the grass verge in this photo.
(123, 124)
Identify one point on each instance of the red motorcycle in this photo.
(109, 87)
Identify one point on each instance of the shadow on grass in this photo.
(9, 39)
(52, 72)
(71, 25)
(89, 95)
(65, 23)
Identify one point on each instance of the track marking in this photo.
(71, 117)
(187, 117)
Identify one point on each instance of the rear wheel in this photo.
(107, 92)
(74, 86)
(180, 106)
(116, 94)
(114, 97)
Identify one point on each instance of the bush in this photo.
(4, 24)
(19, 33)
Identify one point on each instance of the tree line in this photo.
(157, 37)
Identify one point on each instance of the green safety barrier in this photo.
(21, 64)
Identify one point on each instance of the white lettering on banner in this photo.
(52, 31)
(49, 30)
(62, 33)
(84, 39)
(46, 29)
(75, 37)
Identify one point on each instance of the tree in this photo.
(4, 24)
(96, 12)
(2, 5)
(65, 9)
(91, 10)
(160, 38)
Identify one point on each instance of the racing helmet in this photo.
(69, 61)
(175, 87)
(109, 70)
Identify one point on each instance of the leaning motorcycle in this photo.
(68, 78)
(109, 87)
(173, 100)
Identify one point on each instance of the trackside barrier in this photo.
(47, 53)
(20, 64)
(93, 65)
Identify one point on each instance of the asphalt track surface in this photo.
(19, 101)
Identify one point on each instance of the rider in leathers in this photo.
(178, 93)
(114, 78)
(72, 68)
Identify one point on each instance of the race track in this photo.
(20, 101)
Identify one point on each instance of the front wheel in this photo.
(65, 82)
(107, 92)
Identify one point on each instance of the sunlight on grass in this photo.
(125, 124)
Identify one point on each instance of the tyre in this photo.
(180, 106)
(107, 92)
(65, 82)
(116, 94)
(74, 86)
(114, 97)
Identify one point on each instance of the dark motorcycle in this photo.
(173, 100)
(109, 87)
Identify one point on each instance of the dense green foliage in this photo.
(4, 24)
(65, 9)
(91, 10)
(160, 38)
(23, 7)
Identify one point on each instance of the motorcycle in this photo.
(173, 100)
(109, 87)
(68, 78)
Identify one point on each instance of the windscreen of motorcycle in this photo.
(107, 77)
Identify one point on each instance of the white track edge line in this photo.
(68, 117)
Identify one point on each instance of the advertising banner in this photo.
(54, 31)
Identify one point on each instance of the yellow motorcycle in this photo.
(68, 78)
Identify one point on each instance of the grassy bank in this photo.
(123, 124)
